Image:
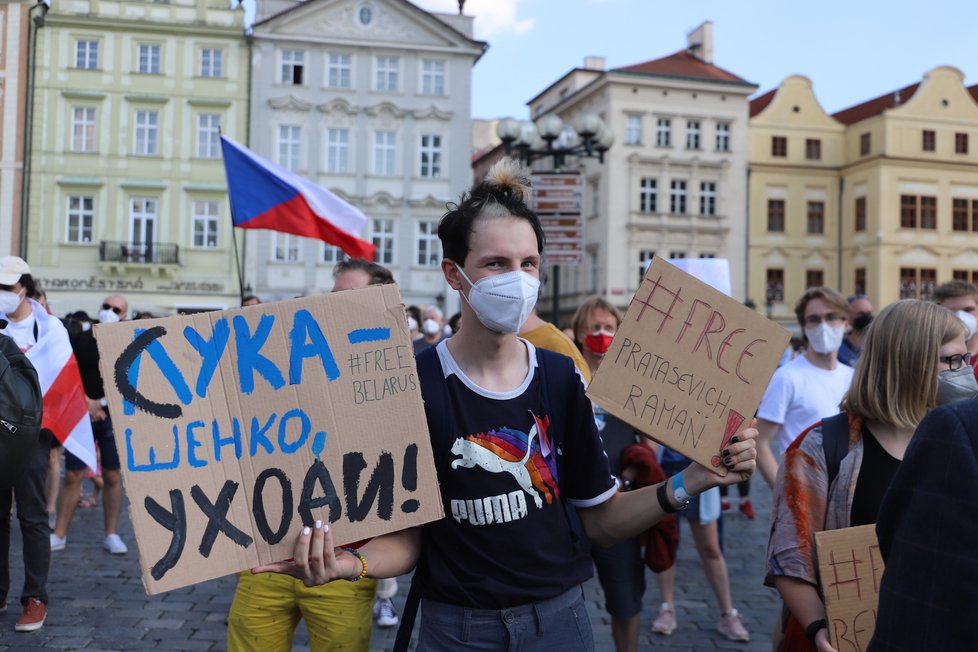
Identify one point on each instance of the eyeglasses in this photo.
(117, 310)
(956, 361)
(832, 318)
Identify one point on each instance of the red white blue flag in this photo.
(265, 195)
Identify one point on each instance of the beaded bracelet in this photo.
(363, 562)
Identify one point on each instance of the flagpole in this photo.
(234, 237)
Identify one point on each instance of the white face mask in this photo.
(10, 301)
(412, 324)
(970, 323)
(824, 338)
(503, 302)
(430, 327)
(107, 317)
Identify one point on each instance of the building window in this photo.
(814, 278)
(779, 146)
(285, 247)
(211, 62)
(663, 133)
(859, 280)
(431, 155)
(208, 135)
(339, 70)
(677, 197)
(723, 136)
(960, 143)
(86, 55)
(289, 137)
(382, 237)
(774, 290)
(677, 254)
(692, 134)
(147, 133)
(332, 254)
(432, 77)
(83, 129)
(648, 195)
(633, 130)
(708, 198)
(917, 283)
(149, 59)
(860, 214)
(775, 215)
(205, 224)
(816, 217)
(959, 214)
(142, 227)
(80, 216)
(645, 257)
(293, 65)
(928, 212)
(385, 153)
(929, 140)
(865, 144)
(706, 255)
(388, 71)
(813, 149)
(338, 150)
(428, 245)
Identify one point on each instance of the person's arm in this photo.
(766, 462)
(805, 604)
(626, 514)
(315, 561)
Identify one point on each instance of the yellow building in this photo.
(880, 198)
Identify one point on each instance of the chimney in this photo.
(699, 42)
(594, 63)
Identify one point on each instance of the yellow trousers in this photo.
(267, 607)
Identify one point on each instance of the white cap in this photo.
(11, 269)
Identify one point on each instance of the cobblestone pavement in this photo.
(97, 600)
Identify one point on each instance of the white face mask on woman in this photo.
(503, 302)
(825, 339)
(10, 301)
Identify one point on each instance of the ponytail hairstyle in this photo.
(505, 192)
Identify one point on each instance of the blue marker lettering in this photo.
(153, 464)
(306, 326)
(169, 369)
(361, 335)
(258, 435)
(220, 442)
(210, 351)
(285, 446)
(193, 444)
(250, 358)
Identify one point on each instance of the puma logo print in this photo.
(474, 452)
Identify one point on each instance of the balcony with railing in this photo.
(157, 257)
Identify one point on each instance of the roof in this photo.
(879, 104)
(760, 102)
(684, 65)
(974, 92)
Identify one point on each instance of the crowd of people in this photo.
(850, 423)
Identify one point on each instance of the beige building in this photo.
(900, 170)
(126, 185)
(14, 39)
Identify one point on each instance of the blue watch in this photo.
(679, 491)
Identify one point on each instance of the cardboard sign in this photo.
(237, 428)
(850, 567)
(688, 365)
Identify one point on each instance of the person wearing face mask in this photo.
(113, 309)
(521, 470)
(432, 329)
(913, 358)
(810, 386)
(961, 298)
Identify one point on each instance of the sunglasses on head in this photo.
(114, 309)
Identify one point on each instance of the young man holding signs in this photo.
(503, 569)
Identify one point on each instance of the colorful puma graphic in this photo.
(506, 450)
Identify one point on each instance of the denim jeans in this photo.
(29, 494)
(559, 624)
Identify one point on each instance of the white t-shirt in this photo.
(801, 394)
(22, 332)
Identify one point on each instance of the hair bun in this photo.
(510, 177)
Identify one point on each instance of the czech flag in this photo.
(265, 195)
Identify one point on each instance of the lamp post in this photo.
(550, 138)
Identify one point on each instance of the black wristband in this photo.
(812, 630)
(664, 503)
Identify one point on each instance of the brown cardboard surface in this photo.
(850, 567)
(688, 365)
(233, 427)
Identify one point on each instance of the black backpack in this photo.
(20, 411)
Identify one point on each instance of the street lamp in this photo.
(549, 137)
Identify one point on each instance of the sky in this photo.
(852, 50)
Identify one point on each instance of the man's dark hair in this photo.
(378, 274)
(504, 192)
(955, 289)
(30, 285)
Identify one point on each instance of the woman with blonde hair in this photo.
(914, 359)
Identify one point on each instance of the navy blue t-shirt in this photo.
(506, 539)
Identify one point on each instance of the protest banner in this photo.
(688, 365)
(850, 567)
(237, 428)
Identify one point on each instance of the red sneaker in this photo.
(725, 504)
(33, 617)
(747, 509)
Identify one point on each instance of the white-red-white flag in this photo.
(65, 407)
